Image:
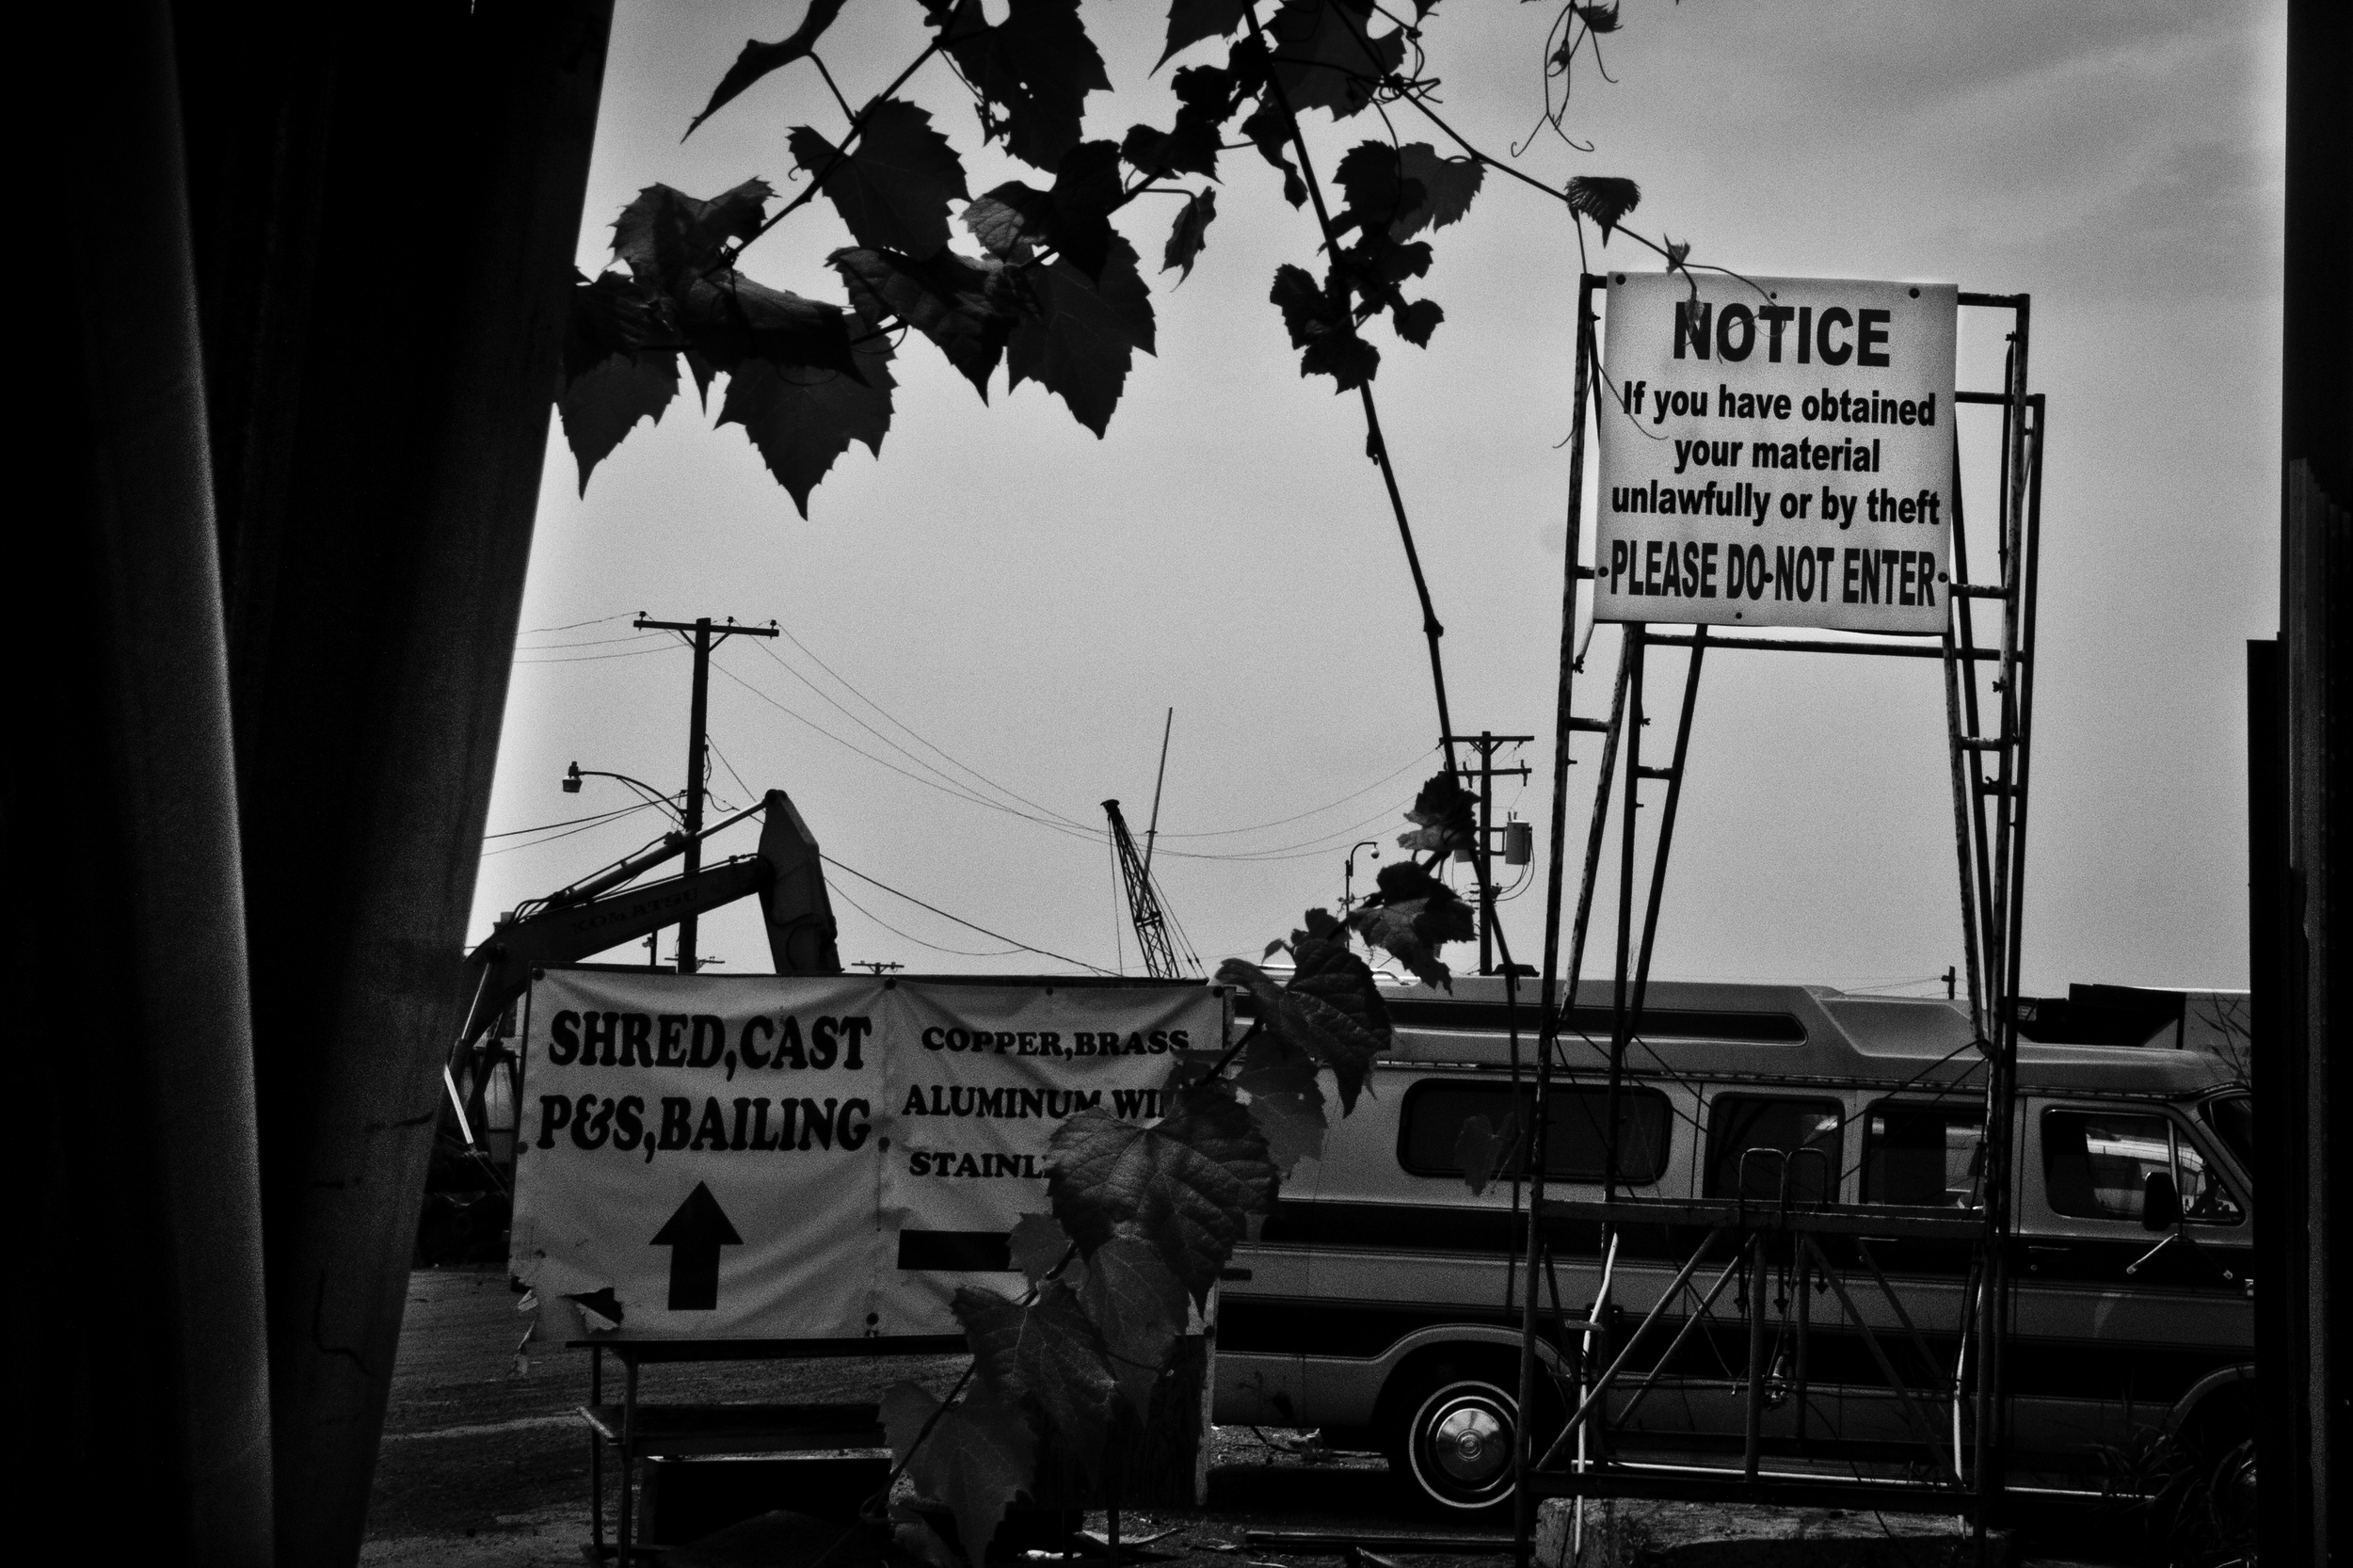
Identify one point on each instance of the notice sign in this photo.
(806, 1157)
(1776, 453)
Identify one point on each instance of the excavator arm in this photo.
(787, 874)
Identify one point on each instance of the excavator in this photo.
(470, 1179)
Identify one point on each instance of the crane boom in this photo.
(1144, 905)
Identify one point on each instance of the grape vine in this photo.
(1069, 1377)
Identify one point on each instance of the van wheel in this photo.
(1455, 1435)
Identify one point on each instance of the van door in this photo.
(2120, 1309)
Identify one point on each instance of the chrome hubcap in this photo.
(1461, 1451)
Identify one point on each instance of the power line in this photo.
(907, 936)
(509, 849)
(1411, 764)
(1279, 822)
(574, 626)
(748, 792)
(953, 783)
(1307, 849)
(592, 657)
(995, 936)
(600, 816)
(913, 733)
(1302, 849)
(884, 762)
(598, 642)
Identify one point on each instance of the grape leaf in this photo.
(1605, 199)
(1048, 1355)
(1417, 321)
(1285, 1099)
(1443, 813)
(603, 403)
(727, 318)
(803, 417)
(1108, 1177)
(892, 188)
(1011, 221)
(1207, 1119)
(1332, 1009)
(1037, 67)
(1191, 20)
(1596, 19)
(1189, 235)
(1480, 1148)
(1323, 331)
(666, 235)
(964, 305)
(1077, 341)
(1269, 131)
(1374, 179)
(1039, 1244)
(1206, 96)
(609, 380)
(1411, 915)
(1086, 188)
(1325, 55)
(980, 1456)
(1317, 926)
(1448, 186)
(913, 1538)
(757, 59)
(1074, 218)
(1139, 1309)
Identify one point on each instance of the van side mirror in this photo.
(2160, 1201)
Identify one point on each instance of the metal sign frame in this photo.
(1948, 1472)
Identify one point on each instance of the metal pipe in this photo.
(1597, 835)
(1798, 644)
(1920, 1424)
(1667, 825)
(1682, 1278)
(1549, 1029)
(1753, 1426)
(1622, 1021)
(1699, 1314)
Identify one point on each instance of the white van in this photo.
(1380, 1301)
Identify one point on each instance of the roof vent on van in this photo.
(2104, 1016)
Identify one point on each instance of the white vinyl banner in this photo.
(1776, 452)
(806, 1157)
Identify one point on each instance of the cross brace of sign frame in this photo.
(1947, 1452)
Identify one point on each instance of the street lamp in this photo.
(573, 774)
(1348, 872)
(576, 773)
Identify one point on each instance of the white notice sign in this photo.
(1776, 453)
(711, 1157)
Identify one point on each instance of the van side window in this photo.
(1922, 1154)
(1431, 1126)
(1806, 1132)
(2096, 1166)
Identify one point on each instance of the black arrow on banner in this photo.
(695, 1234)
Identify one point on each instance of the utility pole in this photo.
(702, 634)
(1487, 773)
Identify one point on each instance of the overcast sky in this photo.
(1010, 593)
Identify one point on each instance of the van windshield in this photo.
(2232, 1119)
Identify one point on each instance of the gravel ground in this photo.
(485, 1463)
